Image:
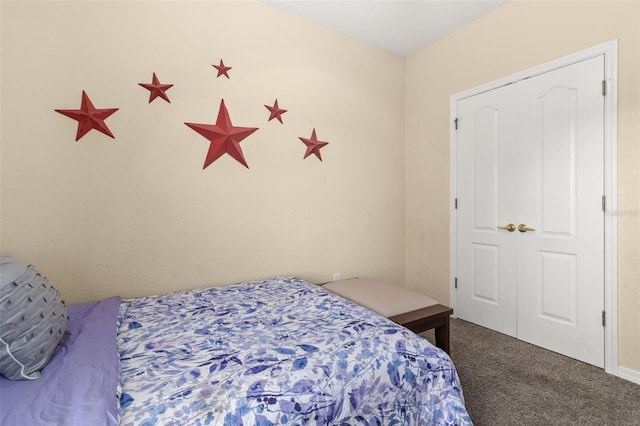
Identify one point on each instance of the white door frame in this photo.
(610, 52)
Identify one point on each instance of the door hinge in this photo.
(455, 282)
(455, 123)
(604, 203)
(604, 316)
(455, 204)
(604, 87)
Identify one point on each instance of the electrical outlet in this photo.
(336, 276)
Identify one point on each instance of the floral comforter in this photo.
(280, 351)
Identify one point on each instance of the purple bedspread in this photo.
(79, 385)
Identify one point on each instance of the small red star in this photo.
(224, 137)
(276, 111)
(89, 117)
(222, 69)
(313, 145)
(156, 89)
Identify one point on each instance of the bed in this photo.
(277, 351)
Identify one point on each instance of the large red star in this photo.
(313, 145)
(156, 89)
(224, 137)
(89, 117)
(276, 111)
(222, 69)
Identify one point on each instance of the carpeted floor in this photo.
(509, 382)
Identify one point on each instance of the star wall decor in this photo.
(275, 111)
(313, 145)
(89, 117)
(223, 136)
(157, 89)
(222, 69)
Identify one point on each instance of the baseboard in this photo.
(629, 374)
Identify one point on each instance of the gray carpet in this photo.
(509, 382)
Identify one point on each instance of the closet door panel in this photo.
(561, 263)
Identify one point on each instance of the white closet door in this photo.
(487, 131)
(531, 154)
(561, 183)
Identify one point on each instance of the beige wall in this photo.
(514, 37)
(138, 215)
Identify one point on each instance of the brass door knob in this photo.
(524, 228)
(509, 227)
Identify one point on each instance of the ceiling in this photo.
(400, 26)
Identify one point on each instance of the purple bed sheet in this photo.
(79, 385)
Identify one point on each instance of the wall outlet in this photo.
(336, 276)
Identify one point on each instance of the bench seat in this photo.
(403, 306)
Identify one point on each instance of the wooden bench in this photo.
(403, 306)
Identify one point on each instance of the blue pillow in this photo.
(33, 319)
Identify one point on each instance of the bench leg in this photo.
(442, 335)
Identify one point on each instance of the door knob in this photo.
(524, 228)
(510, 227)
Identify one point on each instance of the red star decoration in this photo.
(313, 145)
(222, 69)
(89, 117)
(156, 89)
(276, 111)
(224, 137)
